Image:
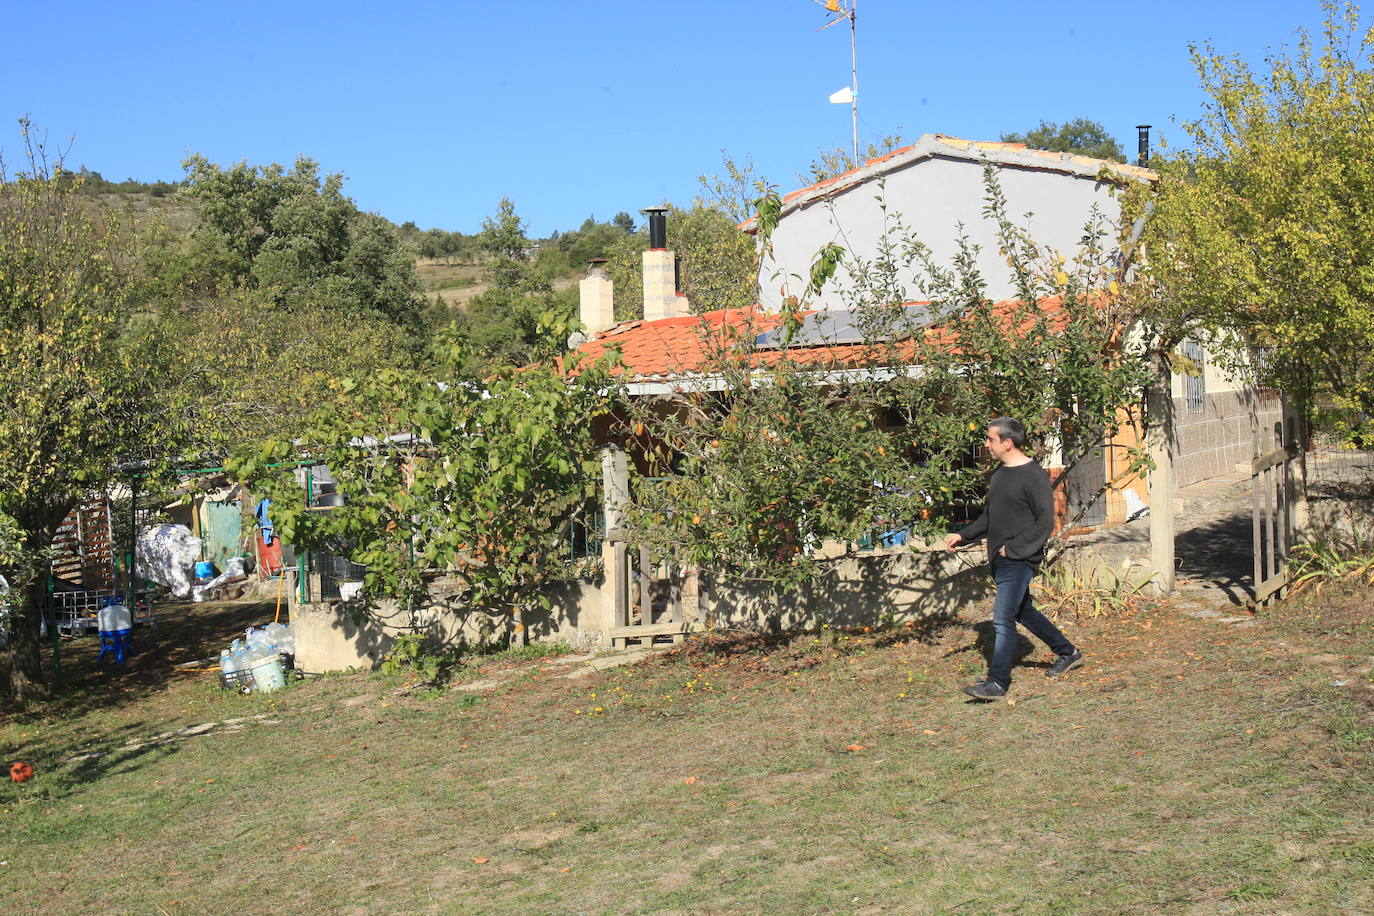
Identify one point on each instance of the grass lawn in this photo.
(1191, 766)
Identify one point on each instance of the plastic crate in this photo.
(243, 681)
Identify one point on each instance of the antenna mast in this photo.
(836, 6)
(854, 74)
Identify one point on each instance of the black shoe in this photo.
(1065, 663)
(986, 690)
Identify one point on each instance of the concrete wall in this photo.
(932, 196)
(1219, 438)
(338, 635)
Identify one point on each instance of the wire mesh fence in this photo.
(336, 574)
(1338, 469)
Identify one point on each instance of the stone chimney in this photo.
(661, 298)
(596, 304)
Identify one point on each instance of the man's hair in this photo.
(1007, 428)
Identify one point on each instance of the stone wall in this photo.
(893, 584)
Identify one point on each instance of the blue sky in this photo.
(434, 111)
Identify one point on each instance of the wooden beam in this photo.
(652, 629)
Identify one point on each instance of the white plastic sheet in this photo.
(167, 555)
(233, 572)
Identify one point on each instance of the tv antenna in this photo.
(850, 93)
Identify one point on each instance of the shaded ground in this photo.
(184, 632)
(1218, 552)
(1191, 766)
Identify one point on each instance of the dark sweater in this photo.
(1019, 513)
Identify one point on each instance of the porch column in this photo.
(1159, 437)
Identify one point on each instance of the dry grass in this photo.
(1189, 767)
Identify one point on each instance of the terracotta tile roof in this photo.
(682, 347)
(931, 145)
(678, 346)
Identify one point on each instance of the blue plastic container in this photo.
(118, 643)
(204, 570)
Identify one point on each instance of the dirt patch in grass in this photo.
(1190, 766)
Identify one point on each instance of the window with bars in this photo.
(1195, 383)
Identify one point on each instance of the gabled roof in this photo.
(931, 146)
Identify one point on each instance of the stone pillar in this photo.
(615, 487)
(660, 294)
(1159, 438)
(596, 300)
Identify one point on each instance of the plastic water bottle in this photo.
(115, 617)
(226, 662)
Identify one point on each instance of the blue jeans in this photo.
(1013, 605)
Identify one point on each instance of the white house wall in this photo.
(932, 196)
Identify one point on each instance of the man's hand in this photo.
(1003, 551)
(953, 541)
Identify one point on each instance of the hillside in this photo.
(454, 278)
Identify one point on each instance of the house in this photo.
(936, 188)
(937, 184)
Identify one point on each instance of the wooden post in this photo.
(646, 588)
(1255, 526)
(1296, 427)
(620, 610)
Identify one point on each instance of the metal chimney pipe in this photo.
(1142, 144)
(658, 227)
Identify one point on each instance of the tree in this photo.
(840, 159)
(519, 316)
(478, 478)
(77, 399)
(1262, 236)
(734, 193)
(566, 254)
(282, 288)
(1081, 136)
(717, 261)
(294, 236)
(240, 369)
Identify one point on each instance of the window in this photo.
(1195, 381)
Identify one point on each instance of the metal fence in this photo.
(334, 572)
(1338, 470)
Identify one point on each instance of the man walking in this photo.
(1016, 521)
